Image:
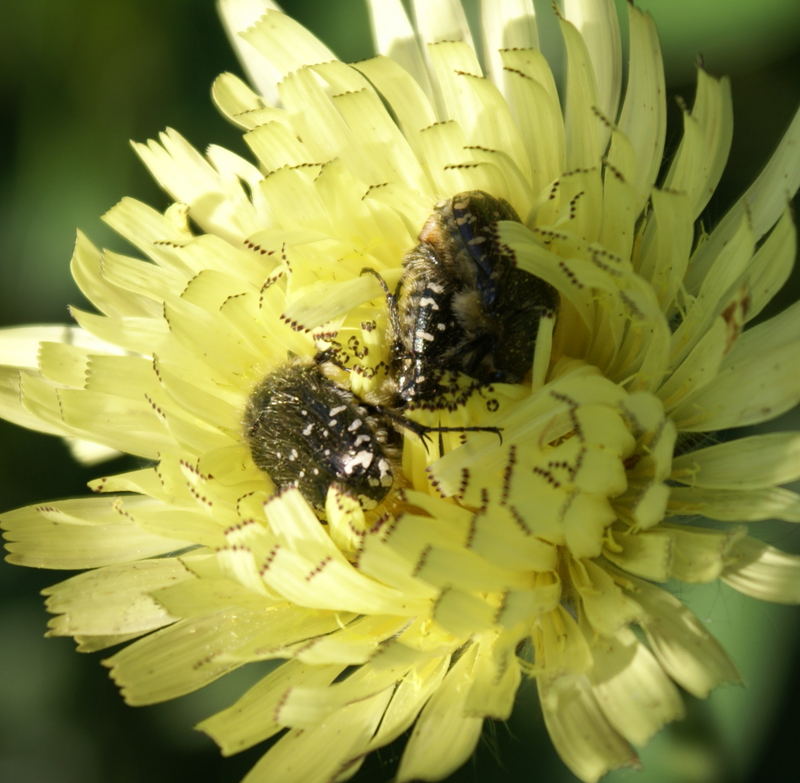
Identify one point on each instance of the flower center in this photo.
(582, 461)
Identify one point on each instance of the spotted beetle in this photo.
(304, 429)
(462, 305)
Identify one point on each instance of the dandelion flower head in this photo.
(542, 553)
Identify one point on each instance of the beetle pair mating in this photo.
(462, 306)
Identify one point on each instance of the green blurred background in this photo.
(78, 78)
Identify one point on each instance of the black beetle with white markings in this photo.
(462, 305)
(305, 430)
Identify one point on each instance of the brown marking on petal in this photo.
(520, 520)
(480, 148)
(170, 243)
(198, 496)
(250, 245)
(578, 462)
(436, 124)
(159, 476)
(276, 714)
(293, 324)
(387, 529)
(735, 315)
(326, 336)
(631, 305)
(205, 660)
(319, 568)
(501, 607)
(376, 186)
(196, 470)
(570, 275)
(508, 474)
(269, 559)
(155, 362)
(516, 71)
(267, 284)
(420, 564)
(464, 483)
(618, 175)
(241, 499)
(602, 117)
(230, 298)
(159, 411)
(473, 529)
(573, 204)
(306, 165)
(547, 476)
(570, 469)
(598, 254)
(470, 75)
(345, 93)
(189, 284)
(117, 506)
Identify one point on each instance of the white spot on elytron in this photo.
(315, 471)
(386, 472)
(361, 459)
(361, 439)
(367, 502)
(419, 334)
(337, 410)
(327, 452)
(428, 301)
(309, 428)
(354, 425)
(301, 474)
(304, 412)
(293, 455)
(441, 327)
(332, 423)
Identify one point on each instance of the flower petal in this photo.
(764, 572)
(80, 533)
(686, 651)
(631, 688)
(252, 718)
(736, 506)
(762, 204)
(443, 736)
(643, 117)
(113, 600)
(580, 731)
(755, 462)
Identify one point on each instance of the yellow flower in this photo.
(539, 554)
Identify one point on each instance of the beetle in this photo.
(462, 305)
(305, 430)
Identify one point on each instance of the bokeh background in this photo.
(78, 78)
